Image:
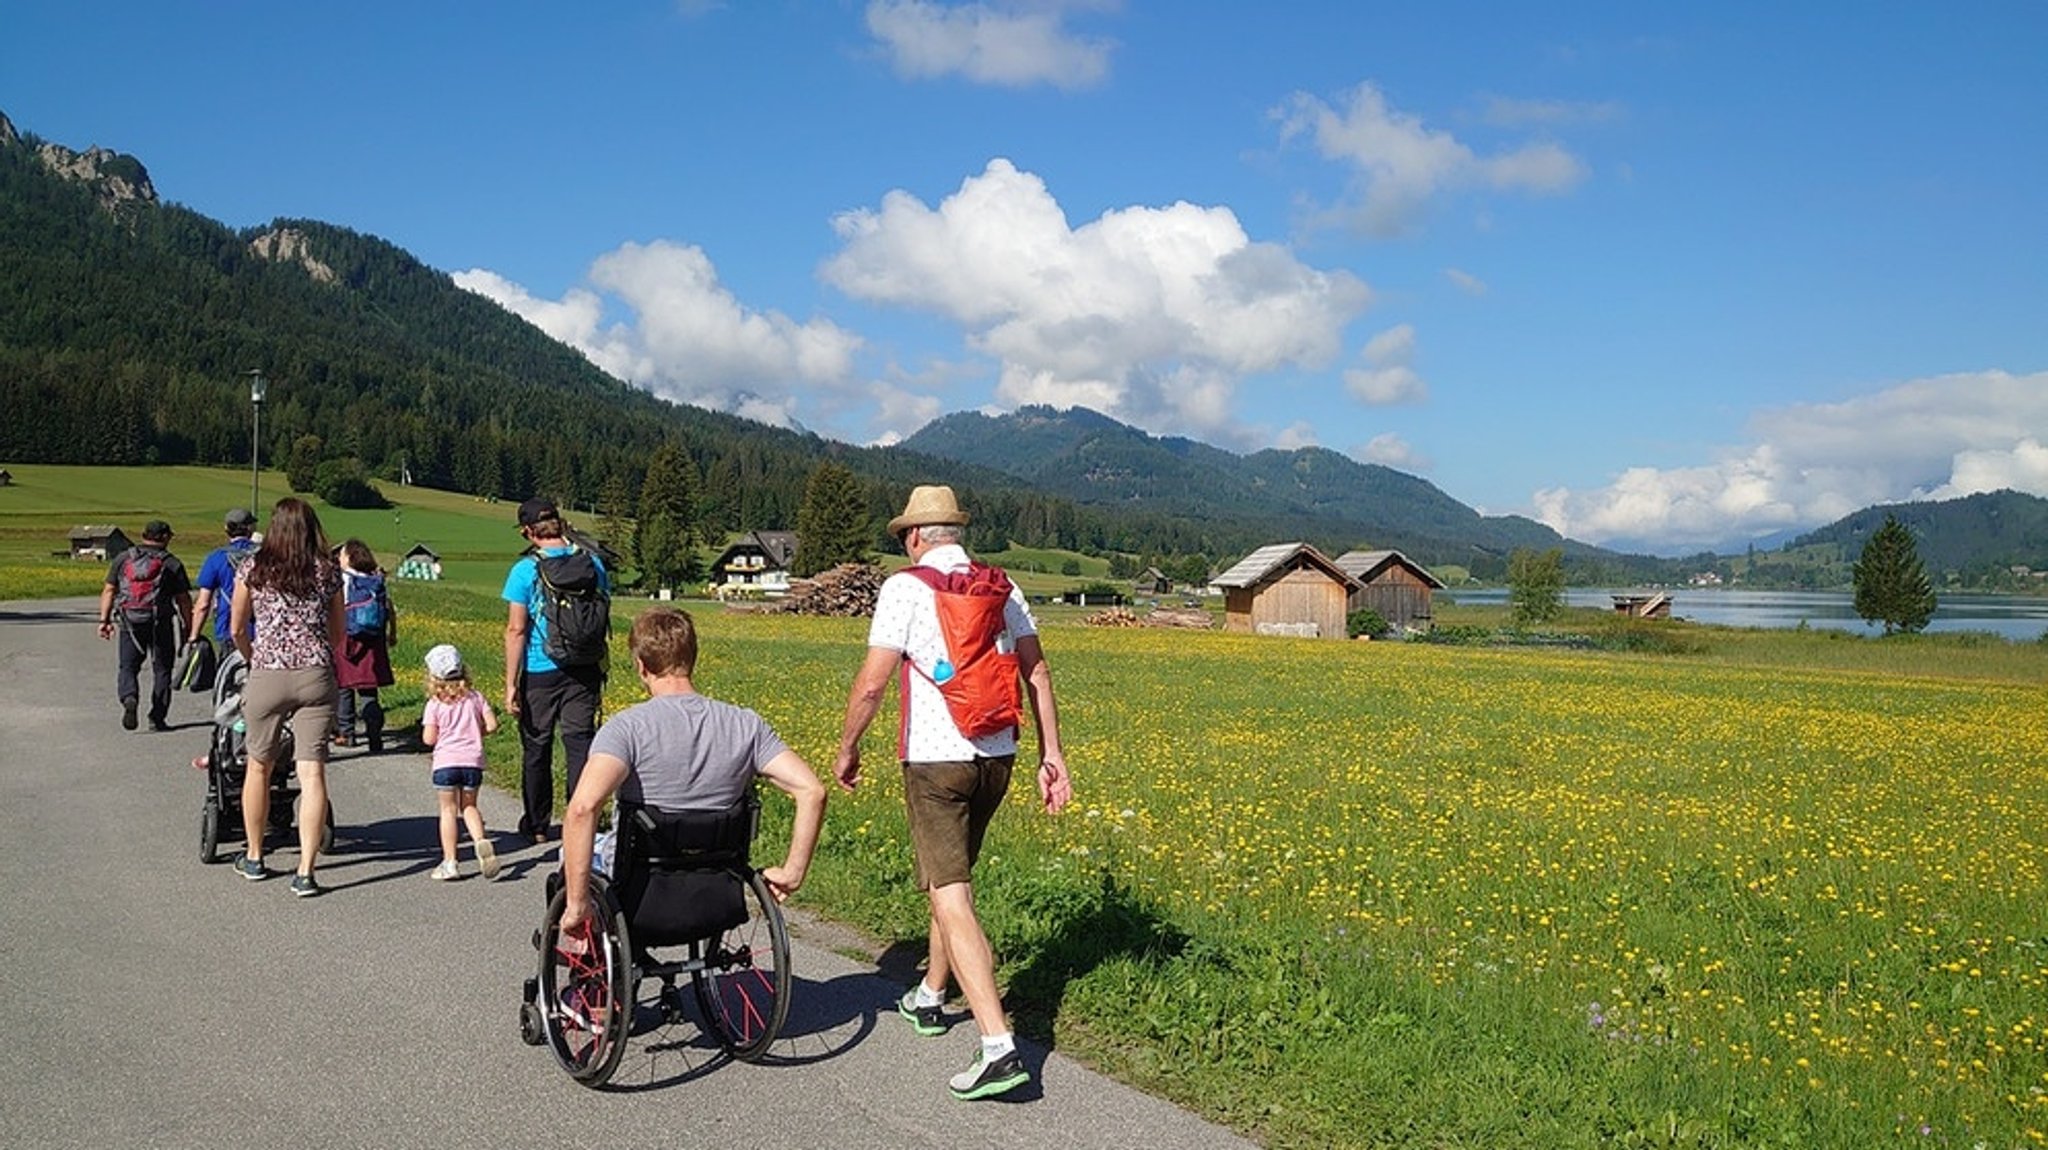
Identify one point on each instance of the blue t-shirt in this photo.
(217, 575)
(522, 585)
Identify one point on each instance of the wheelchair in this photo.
(681, 883)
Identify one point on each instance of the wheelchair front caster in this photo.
(531, 1030)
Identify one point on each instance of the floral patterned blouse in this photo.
(291, 633)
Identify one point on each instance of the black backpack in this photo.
(139, 585)
(576, 607)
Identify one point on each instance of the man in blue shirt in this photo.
(545, 697)
(217, 576)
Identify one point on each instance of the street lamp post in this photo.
(258, 387)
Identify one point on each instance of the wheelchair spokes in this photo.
(743, 986)
(585, 990)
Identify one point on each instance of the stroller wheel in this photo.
(209, 832)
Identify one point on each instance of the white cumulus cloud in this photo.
(1812, 463)
(689, 339)
(1154, 316)
(1386, 375)
(1390, 450)
(1007, 45)
(1401, 165)
(1466, 281)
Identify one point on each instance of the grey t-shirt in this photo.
(687, 752)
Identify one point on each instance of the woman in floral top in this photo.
(292, 592)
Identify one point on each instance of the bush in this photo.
(345, 483)
(1367, 622)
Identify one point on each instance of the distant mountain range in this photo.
(126, 324)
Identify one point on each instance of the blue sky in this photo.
(1663, 276)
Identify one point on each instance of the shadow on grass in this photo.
(1063, 932)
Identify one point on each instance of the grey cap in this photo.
(241, 517)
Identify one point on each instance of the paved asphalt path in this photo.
(147, 1000)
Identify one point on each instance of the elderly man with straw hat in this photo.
(954, 778)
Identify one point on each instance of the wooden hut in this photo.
(1644, 605)
(6, 477)
(101, 541)
(419, 563)
(1286, 588)
(1152, 581)
(1398, 588)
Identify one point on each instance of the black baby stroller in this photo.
(227, 764)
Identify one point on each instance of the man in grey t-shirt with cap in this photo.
(682, 751)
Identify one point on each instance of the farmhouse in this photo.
(1286, 589)
(1152, 581)
(98, 541)
(758, 559)
(1393, 585)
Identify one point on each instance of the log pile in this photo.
(846, 590)
(1192, 619)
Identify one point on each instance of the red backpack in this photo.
(977, 680)
(138, 586)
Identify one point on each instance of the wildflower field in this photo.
(1395, 894)
(1778, 889)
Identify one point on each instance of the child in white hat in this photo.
(454, 723)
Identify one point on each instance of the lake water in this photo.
(2022, 618)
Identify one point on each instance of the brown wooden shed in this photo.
(101, 541)
(1286, 588)
(1398, 588)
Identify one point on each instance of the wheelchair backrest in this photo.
(688, 840)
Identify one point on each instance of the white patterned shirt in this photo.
(907, 621)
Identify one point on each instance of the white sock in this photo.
(926, 998)
(994, 1046)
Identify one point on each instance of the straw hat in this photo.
(932, 506)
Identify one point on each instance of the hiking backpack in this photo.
(977, 678)
(366, 606)
(576, 607)
(139, 585)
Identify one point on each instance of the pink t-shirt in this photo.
(459, 729)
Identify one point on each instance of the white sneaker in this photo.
(486, 859)
(444, 872)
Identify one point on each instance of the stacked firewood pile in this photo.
(847, 590)
(1192, 618)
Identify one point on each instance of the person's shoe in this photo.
(251, 869)
(986, 1079)
(486, 859)
(444, 872)
(127, 714)
(344, 740)
(303, 886)
(159, 725)
(376, 744)
(926, 1020)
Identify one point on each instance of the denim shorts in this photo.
(458, 778)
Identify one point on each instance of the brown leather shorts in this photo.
(950, 806)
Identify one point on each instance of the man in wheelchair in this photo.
(682, 751)
(682, 767)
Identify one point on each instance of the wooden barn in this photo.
(758, 559)
(420, 562)
(101, 541)
(1398, 588)
(1286, 589)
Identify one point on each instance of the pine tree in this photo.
(1891, 585)
(665, 543)
(832, 525)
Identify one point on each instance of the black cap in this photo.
(536, 509)
(241, 517)
(156, 530)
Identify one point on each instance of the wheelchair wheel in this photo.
(586, 988)
(743, 988)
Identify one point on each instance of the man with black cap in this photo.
(146, 599)
(217, 576)
(553, 679)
